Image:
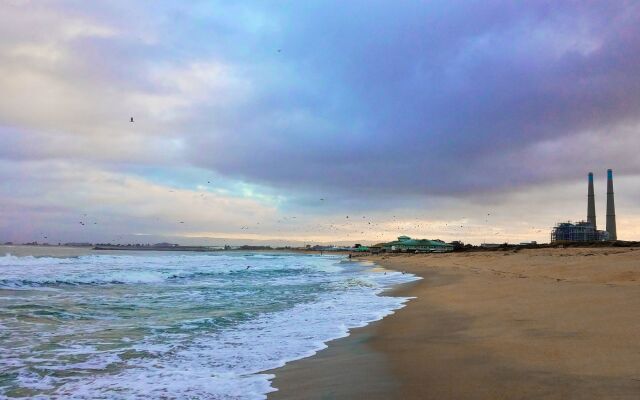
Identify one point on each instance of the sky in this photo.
(315, 121)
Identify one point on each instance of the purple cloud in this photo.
(372, 96)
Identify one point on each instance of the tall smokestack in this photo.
(591, 203)
(611, 208)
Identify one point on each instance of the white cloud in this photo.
(119, 203)
(280, 98)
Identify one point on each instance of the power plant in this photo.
(611, 208)
(587, 231)
(591, 203)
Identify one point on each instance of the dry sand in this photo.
(545, 323)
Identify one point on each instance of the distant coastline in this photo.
(20, 250)
(156, 248)
(315, 248)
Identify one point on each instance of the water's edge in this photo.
(205, 361)
(285, 374)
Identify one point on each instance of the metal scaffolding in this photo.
(582, 231)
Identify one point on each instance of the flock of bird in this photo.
(364, 227)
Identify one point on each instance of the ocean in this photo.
(175, 325)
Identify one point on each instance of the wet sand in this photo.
(44, 251)
(531, 324)
(347, 369)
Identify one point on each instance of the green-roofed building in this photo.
(406, 244)
(361, 249)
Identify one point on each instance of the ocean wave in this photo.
(231, 364)
(38, 272)
(207, 344)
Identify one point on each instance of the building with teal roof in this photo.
(407, 244)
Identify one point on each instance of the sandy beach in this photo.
(529, 324)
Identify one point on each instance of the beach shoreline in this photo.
(344, 357)
(75, 268)
(545, 323)
(533, 323)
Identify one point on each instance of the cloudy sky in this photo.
(316, 121)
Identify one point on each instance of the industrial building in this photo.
(582, 231)
(587, 231)
(406, 244)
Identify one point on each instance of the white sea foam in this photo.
(227, 362)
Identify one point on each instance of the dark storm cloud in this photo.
(438, 97)
(250, 112)
(427, 97)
